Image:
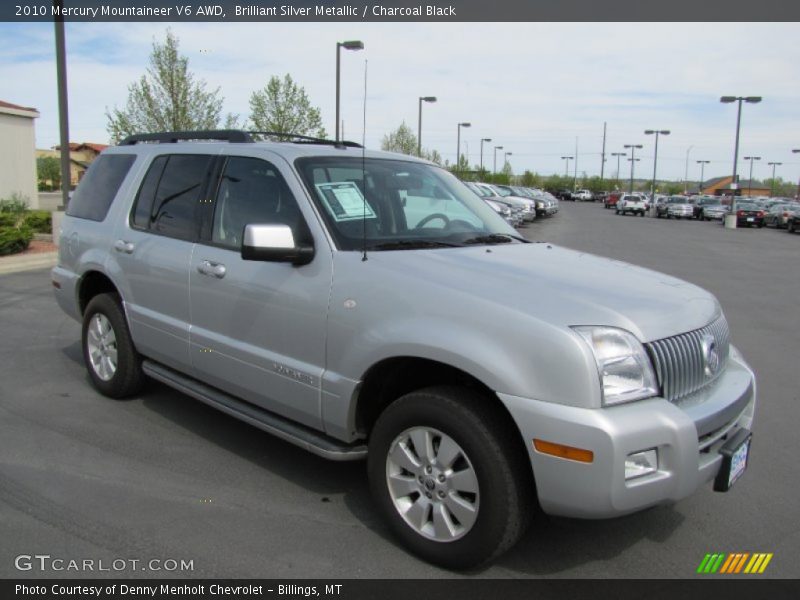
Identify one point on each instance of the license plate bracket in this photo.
(735, 456)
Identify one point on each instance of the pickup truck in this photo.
(633, 204)
(582, 196)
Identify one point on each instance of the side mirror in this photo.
(274, 243)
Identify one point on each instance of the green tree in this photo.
(528, 179)
(167, 98)
(48, 169)
(283, 106)
(401, 140)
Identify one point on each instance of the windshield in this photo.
(398, 205)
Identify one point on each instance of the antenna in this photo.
(364, 168)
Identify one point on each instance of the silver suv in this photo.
(364, 304)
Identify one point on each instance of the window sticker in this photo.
(345, 201)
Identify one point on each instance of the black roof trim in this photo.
(171, 137)
(305, 139)
(234, 136)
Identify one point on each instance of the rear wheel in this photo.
(114, 366)
(449, 476)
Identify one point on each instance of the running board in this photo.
(290, 431)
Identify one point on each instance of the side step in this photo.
(314, 441)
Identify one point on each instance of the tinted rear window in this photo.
(99, 186)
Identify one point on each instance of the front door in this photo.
(258, 328)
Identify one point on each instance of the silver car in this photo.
(363, 304)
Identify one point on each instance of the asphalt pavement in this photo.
(163, 477)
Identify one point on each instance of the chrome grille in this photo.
(680, 361)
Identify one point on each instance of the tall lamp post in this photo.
(795, 151)
(505, 158)
(458, 145)
(496, 148)
(730, 220)
(483, 140)
(566, 164)
(702, 164)
(350, 45)
(632, 160)
(686, 171)
(750, 179)
(618, 154)
(772, 183)
(657, 132)
(419, 121)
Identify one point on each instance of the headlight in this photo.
(626, 372)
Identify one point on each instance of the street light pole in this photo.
(350, 45)
(772, 183)
(496, 148)
(419, 121)
(750, 180)
(618, 154)
(458, 145)
(795, 151)
(686, 172)
(483, 140)
(632, 160)
(702, 164)
(566, 164)
(731, 222)
(657, 132)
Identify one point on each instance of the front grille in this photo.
(680, 361)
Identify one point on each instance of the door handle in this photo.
(212, 269)
(123, 246)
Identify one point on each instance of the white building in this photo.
(17, 152)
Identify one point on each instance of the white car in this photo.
(633, 204)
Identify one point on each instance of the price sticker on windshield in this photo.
(345, 201)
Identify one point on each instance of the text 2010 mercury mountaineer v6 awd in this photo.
(367, 304)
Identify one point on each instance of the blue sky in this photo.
(531, 87)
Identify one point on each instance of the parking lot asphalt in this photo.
(162, 476)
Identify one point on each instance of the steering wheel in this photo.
(432, 217)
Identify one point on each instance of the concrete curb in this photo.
(29, 262)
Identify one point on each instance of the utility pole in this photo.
(603, 153)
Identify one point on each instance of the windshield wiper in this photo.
(495, 238)
(412, 245)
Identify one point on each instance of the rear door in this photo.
(152, 251)
(258, 328)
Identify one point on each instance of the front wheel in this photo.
(450, 477)
(114, 366)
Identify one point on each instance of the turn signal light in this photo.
(562, 451)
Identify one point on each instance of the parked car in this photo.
(778, 214)
(793, 222)
(507, 191)
(631, 204)
(514, 215)
(526, 207)
(611, 199)
(583, 196)
(715, 212)
(545, 205)
(564, 195)
(749, 215)
(700, 203)
(367, 305)
(674, 206)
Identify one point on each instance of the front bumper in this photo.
(680, 212)
(687, 435)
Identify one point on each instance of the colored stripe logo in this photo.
(735, 563)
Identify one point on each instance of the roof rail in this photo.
(171, 137)
(304, 139)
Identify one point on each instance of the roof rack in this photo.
(305, 139)
(171, 137)
(228, 135)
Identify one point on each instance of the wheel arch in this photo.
(90, 285)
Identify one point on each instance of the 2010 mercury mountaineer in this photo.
(368, 304)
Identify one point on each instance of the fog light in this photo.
(640, 464)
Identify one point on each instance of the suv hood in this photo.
(551, 284)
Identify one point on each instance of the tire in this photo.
(488, 458)
(617, 211)
(641, 214)
(114, 365)
(790, 226)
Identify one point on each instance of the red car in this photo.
(611, 199)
